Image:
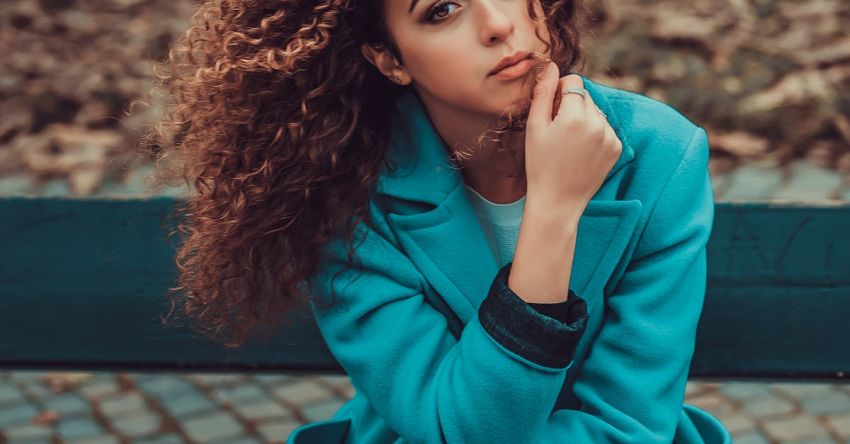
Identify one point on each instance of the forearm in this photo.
(544, 252)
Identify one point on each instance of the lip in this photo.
(515, 71)
(509, 60)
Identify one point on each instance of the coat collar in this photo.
(445, 240)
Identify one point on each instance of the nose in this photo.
(497, 20)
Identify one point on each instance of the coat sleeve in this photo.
(632, 384)
(497, 382)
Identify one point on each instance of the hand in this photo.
(569, 146)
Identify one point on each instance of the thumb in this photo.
(540, 112)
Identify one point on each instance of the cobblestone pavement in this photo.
(172, 408)
(799, 180)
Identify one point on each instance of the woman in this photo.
(323, 134)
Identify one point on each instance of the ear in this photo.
(384, 61)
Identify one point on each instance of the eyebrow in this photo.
(412, 5)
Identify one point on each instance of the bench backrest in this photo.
(83, 284)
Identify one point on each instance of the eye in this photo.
(437, 7)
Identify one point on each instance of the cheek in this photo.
(445, 67)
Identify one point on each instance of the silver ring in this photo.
(575, 90)
(583, 92)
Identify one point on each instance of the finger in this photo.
(600, 120)
(572, 106)
(543, 93)
(594, 119)
(590, 106)
(610, 136)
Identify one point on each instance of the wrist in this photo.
(564, 213)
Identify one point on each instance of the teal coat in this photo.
(408, 331)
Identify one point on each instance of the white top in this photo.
(500, 223)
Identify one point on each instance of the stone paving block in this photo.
(273, 378)
(213, 427)
(745, 390)
(737, 421)
(78, 428)
(10, 393)
(835, 402)
(713, 385)
(751, 437)
(171, 438)
(122, 404)
(840, 424)
(802, 390)
(138, 425)
(333, 380)
(68, 404)
(819, 440)
(765, 406)
(216, 379)
(113, 188)
(179, 192)
(347, 391)
(13, 414)
(302, 392)
(101, 375)
(794, 428)
(277, 431)
(17, 184)
(751, 182)
(342, 385)
(720, 183)
(134, 186)
(321, 410)
(242, 440)
(55, 188)
(97, 389)
(164, 384)
(37, 390)
(244, 392)
(103, 439)
(713, 402)
(809, 182)
(26, 432)
(186, 403)
(22, 376)
(691, 388)
(135, 179)
(262, 409)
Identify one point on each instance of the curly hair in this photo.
(277, 123)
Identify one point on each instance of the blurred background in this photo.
(769, 80)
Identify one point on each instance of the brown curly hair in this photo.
(277, 123)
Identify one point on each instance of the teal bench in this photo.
(83, 287)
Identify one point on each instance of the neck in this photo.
(485, 170)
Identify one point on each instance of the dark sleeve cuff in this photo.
(519, 327)
(555, 310)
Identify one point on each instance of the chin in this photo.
(515, 114)
(521, 102)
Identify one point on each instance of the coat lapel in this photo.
(444, 239)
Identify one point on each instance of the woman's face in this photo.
(449, 48)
